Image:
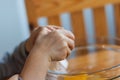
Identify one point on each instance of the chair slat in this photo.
(32, 17)
(117, 20)
(75, 5)
(100, 22)
(54, 20)
(78, 28)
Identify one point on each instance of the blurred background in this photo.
(14, 27)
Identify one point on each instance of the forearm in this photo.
(35, 70)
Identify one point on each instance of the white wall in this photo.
(13, 24)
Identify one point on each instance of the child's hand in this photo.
(46, 44)
(37, 32)
(55, 40)
(57, 44)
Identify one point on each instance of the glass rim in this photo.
(81, 73)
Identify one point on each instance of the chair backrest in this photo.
(53, 8)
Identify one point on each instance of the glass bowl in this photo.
(99, 60)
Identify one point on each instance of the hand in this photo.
(66, 38)
(48, 44)
(30, 42)
(57, 44)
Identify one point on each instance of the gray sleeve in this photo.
(13, 64)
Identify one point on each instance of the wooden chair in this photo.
(53, 8)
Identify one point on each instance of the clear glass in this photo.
(99, 60)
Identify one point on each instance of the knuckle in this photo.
(43, 31)
(41, 28)
(63, 44)
(62, 57)
(73, 44)
(56, 32)
(69, 51)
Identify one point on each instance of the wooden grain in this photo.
(95, 61)
(54, 20)
(70, 6)
(78, 26)
(100, 22)
(117, 20)
(39, 8)
(32, 17)
(44, 4)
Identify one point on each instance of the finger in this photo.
(44, 31)
(54, 27)
(31, 41)
(68, 52)
(70, 42)
(35, 33)
(51, 28)
(67, 33)
(35, 28)
(67, 49)
(41, 28)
